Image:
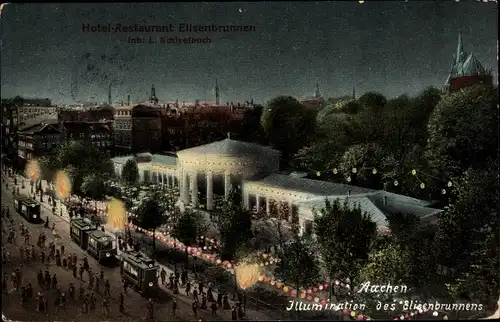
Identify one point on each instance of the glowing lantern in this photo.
(318, 173)
(414, 172)
(337, 282)
(261, 278)
(273, 282)
(247, 275)
(435, 313)
(309, 298)
(316, 299)
(302, 294)
(323, 301)
(422, 185)
(315, 289)
(374, 171)
(309, 291)
(335, 171)
(320, 287)
(353, 314)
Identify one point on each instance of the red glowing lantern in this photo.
(309, 298)
(326, 285)
(315, 289)
(341, 284)
(346, 311)
(361, 317)
(293, 292)
(323, 302)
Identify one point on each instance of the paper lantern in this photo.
(286, 288)
(360, 317)
(279, 285)
(342, 284)
(337, 282)
(261, 278)
(320, 287)
(316, 299)
(199, 254)
(346, 311)
(309, 298)
(309, 291)
(302, 295)
(422, 185)
(318, 173)
(414, 172)
(273, 282)
(218, 261)
(315, 289)
(326, 286)
(323, 302)
(435, 313)
(353, 314)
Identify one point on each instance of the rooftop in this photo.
(228, 147)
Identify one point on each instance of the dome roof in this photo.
(230, 148)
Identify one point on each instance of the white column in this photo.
(184, 186)
(268, 205)
(302, 227)
(227, 184)
(210, 192)
(167, 179)
(246, 199)
(290, 215)
(257, 202)
(194, 188)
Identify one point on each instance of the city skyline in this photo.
(385, 47)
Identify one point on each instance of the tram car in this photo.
(140, 271)
(29, 208)
(80, 229)
(102, 246)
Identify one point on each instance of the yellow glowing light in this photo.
(422, 185)
(33, 170)
(247, 275)
(318, 173)
(353, 314)
(63, 185)
(117, 214)
(413, 172)
(361, 1)
(302, 294)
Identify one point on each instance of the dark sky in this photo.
(393, 47)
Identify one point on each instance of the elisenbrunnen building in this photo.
(208, 172)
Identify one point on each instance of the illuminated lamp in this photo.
(316, 299)
(353, 314)
(309, 298)
(320, 287)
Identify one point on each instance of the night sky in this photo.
(391, 47)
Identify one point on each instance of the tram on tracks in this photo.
(100, 245)
(139, 271)
(29, 208)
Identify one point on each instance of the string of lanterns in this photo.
(310, 294)
(395, 182)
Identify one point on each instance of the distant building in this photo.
(95, 114)
(137, 128)
(99, 133)
(314, 102)
(36, 141)
(466, 70)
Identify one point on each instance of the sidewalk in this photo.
(251, 314)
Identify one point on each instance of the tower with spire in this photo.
(153, 99)
(217, 93)
(466, 70)
(317, 93)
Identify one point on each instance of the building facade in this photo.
(99, 133)
(466, 70)
(208, 172)
(137, 128)
(36, 141)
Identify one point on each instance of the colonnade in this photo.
(189, 184)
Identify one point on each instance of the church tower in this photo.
(317, 93)
(217, 93)
(153, 98)
(466, 70)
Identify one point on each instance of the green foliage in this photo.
(93, 186)
(345, 236)
(463, 129)
(189, 226)
(467, 236)
(80, 159)
(298, 264)
(372, 101)
(387, 265)
(130, 172)
(48, 167)
(287, 124)
(352, 107)
(150, 214)
(235, 226)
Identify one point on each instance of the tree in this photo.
(93, 186)
(364, 158)
(386, 266)
(344, 236)
(298, 264)
(463, 130)
(288, 124)
(372, 101)
(48, 167)
(150, 216)
(130, 172)
(467, 233)
(234, 224)
(188, 228)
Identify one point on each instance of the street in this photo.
(135, 305)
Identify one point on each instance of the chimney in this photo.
(128, 99)
(385, 201)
